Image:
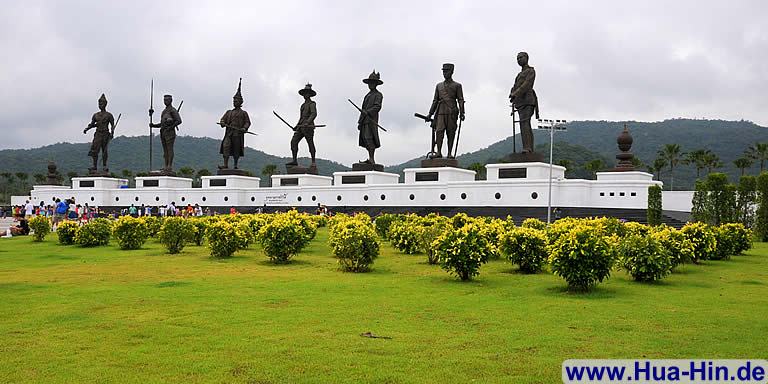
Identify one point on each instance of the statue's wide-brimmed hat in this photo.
(103, 98)
(448, 66)
(307, 91)
(238, 95)
(374, 78)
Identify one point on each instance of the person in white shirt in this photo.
(29, 209)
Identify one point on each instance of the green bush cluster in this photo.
(66, 231)
(40, 226)
(94, 233)
(703, 239)
(431, 228)
(130, 232)
(644, 257)
(201, 225)
(526, 247)
(154, 224)
(404, 234)
(583, 256)
(354, 242)
(461, 251)
(286, 235)
(383, 223)
(224, 238)
(175, 233)
(534, 223)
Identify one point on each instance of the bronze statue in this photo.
(236, 121)
(368, 121)
(169, 122)
(305, 128)
(524, 100)
(448, 105)
(101, 120)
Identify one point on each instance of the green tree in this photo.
(39, 178)
(203, 172)
(268, 170)
(654, 212)
(71, 175)
(594, 166)
(187, 172)
(479, 169)
(127, 173)
(673, 155)
(638, 164)
(697, 158)
(758, 152)
(742, 163)
(746, 200)
(658, 165)
(761, 219)
(567, 164)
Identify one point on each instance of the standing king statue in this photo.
(101, 120)
(524, 100)
(368, 121)
(169, 122)
(236, 122)
(305, 128)
(448, 105)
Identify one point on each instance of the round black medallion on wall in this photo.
(411, 196)
(338, 197)
(226, 198)
(203, 198)
(365, 197)
(314, 198)
(534, 195)
(117, 198)
(383, 197)
(463, 196)
(498, 195)
(298, 198)
(442, 196)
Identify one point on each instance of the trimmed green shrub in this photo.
(654, 205)
(739, 236)
(94, 233)
(383, 223)
(644, 257)
(761, 219)
(283, 237)
(703, 239)
(722, 196)
(635, 228)
(40, 226)
(676, 243)
(431, 229)
(224, 238)
(175, 233)
(526, 247)
(130, 232)
(746, 200)
(463, 250)
(154, 224)
(404, 235)
(701, 210)
(354, 243)
(534, 223)
(66, 232)
(460, 219)
(201, 225)
(582, 256)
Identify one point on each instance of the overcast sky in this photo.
(594, 60)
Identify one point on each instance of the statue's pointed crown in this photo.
(239, 95)
(103, 98)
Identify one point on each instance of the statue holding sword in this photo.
(304, 129)
(236, 122)
(368, 122)
(101, 120)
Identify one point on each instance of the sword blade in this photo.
(366, 115)
(283, 120)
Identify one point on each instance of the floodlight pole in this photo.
(552, 124)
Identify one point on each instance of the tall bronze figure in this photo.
(169, 122)
(448, 106)
(524, 100)
(236, 122)
(368, 121)
(101, 120)
(305, 128)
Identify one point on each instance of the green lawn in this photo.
(69, 314)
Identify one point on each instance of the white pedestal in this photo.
(364, 177)
(437, 174)
(98, 183)
(300, 180)
(528, 171)
(163, 182)
(230, 181)
(624, 176)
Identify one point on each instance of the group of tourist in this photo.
(166, 210)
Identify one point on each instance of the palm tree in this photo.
(672, 154)
(658, 165)
(479, 169)
(759, 152)
(697, 158)
(743, 163)
(269, 170)
(186, 172)
(594, 166)
(712, 161)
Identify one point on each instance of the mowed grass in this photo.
(70, 314)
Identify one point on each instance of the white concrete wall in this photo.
(677, 200)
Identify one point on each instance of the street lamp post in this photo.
(552, 125)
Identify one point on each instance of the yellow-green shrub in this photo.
(462, 250)
(130, 232)
(534, 223)
(431, 228)
(526, 247)
(153, 223)
(404, 235)
(644, 257)
(384, 221)
(201, 225)
(283, 237)
(354, 243)
(175, 233)
(703, 239)
(739, 237)
(676, 243)
(582, 256)
(94, 233)
(66, 231)
(224, 238)
(41, 227)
